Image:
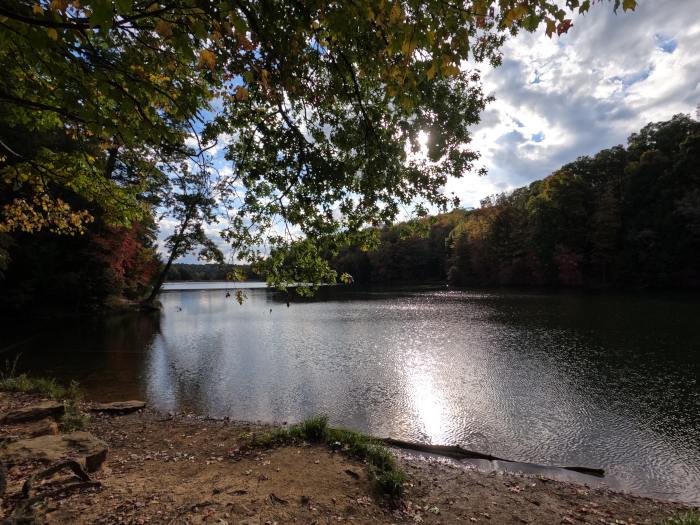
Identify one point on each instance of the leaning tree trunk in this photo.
(161, 277)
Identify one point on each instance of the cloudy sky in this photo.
(565, 97)
(561, 98)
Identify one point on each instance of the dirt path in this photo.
(171, 470)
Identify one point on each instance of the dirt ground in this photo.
(168, 469)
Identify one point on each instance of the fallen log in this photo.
(459, 453)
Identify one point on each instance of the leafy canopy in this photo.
(323, 105)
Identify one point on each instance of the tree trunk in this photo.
(173, 256)
(161, 277)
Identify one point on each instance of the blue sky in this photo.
(565, 97)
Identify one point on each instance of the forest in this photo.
(626, 216)
(208, 272)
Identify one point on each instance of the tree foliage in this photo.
(323, 105)
(627, 216)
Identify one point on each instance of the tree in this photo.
(193, 205)
(605, 231)
(129, 256)
(620, 217)
(325, 104)
(558, 216)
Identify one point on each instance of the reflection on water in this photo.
(555, 378)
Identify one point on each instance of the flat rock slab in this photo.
(120, 406)
(45, 427)
(34, 412)
(81, 446)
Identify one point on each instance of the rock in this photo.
(82, 446)
(120, 406)
(34, 412)
(45, 427)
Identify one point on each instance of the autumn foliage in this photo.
(623, 217)
(129, 264)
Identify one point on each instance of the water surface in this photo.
(555, 378)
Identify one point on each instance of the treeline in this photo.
(48, 267)
(208, 272)
(627, 216)
(396, 259)
(44, 272)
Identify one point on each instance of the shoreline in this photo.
(183, 469)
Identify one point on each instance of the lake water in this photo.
(555, 377)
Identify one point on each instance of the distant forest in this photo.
(207, 272)
(627, 216)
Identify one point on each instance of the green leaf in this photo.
(124, 6)
(199, 30)
(102, 14)
(241, 26)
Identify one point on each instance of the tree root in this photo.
(16, 517)
(73, 465)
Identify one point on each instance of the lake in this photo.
(590, 378)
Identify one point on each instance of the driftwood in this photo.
(457, 452)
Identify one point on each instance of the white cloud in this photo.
(561, 98)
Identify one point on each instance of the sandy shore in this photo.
(168, 469)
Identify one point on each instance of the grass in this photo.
(72, 419)
(689, 517)
(387, 476)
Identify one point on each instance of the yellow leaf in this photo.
(315, 24)
(241, 93)
(431, 72)
(38, 10)
(515, 14)
(164, 29)
(59, 5)
(551, 27)
(628, 4)
(395, 13)
(52, 33)
(208, 58)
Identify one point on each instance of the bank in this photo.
(166, 468)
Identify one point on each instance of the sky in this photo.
(561, 98)
(565, 97)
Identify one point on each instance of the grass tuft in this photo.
(391, 482)
(387, 476)
(689, 517)
(315, 429)
(71, 395)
